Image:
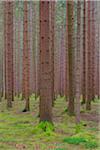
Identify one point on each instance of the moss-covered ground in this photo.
(22, 131)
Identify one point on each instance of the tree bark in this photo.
(45, 64)
(70, 19)
(26, 64)
(9, 52)
(78, 65)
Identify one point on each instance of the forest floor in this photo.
(17, 129)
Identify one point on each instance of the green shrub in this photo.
(44, 126)
(79, 128)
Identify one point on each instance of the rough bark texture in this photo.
(70, 20)
(84, 54)
(45, 65)
(89, 57)
(1, 47)
(67, 59)
(26, 66)
(51, 45)
(9, 52)
(78, 65)
(93, 50)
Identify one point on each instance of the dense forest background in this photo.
(49, 75)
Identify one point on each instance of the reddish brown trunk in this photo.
(93, 65)
(89, 57)
(67, 60)
(18, 53)
(51, 33)
(9, 52)
(14, 58)
(70, 19)
(45, 64)
(78, 65)
(5, 46)
(34, 45)
(26, 66)
(84, 54)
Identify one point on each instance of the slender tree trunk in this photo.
(89, 56)
(62, 61)
(78, 65)
(70, 55)
(5, 47)
(34, 45)
(19, 48)
(84, 54)
(67, 59)
(99, 62)
(94, 51)
(9, 52)
(51, 45)
(45, 64)
(26, 64)
(1, 49)
(14, 51)
(97, 44)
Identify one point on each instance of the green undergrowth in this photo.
(18, 97)
(80, 127)
(85, 138)
(18, 129)
(44, 127)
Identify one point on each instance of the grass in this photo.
(20, 131)
(86, 139)
(44, 127)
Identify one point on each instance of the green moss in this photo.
(79, 127)
(93, 129)
(44, 126)
(23, 128)
(86, 139)
(91, 144)
(74, 140)
(66, 110)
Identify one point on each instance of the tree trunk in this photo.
(84, 54)
(9, 52)
(89, 57)
(51, 45)
(70, 19)
(26, 64)
(45, 64)
(78, 65)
